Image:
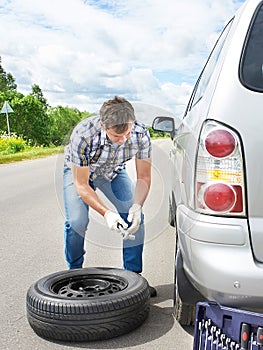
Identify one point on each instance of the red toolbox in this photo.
(219, 327)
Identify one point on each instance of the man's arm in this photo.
(143, 170)
(86, 192)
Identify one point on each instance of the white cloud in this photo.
(83, 52)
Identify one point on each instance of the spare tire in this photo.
(87, 304)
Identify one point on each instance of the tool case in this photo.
(219, 327)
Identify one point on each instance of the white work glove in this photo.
(114, 221)
(134, 216)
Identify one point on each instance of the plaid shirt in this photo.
(90, 146)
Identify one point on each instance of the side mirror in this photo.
(164, 124)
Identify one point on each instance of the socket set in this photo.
(219, 327)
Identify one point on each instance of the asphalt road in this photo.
(31, 246)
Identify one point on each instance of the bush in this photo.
(12, 144)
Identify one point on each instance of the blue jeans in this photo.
(120, 193)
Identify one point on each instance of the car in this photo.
(216, 158)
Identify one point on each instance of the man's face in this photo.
(121, 138)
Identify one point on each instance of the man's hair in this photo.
(117, 113)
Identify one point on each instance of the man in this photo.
(95, 158)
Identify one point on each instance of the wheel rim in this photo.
(88, 286)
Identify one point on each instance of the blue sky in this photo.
(83, 52)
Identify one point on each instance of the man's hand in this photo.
(114, 221)
(134, 217)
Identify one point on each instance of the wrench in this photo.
(218, 332)
(232, 345)
(200, 330)
(212, 337)
(228, 341)
(125, 233)
(207, 324)
(222, 338)
(251, 340)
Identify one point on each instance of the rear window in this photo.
(209, 68)
(251, 68)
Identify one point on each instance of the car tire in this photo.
(184, 313)
(87, 304)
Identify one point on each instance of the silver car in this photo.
(216, 198)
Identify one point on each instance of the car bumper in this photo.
(218, 260)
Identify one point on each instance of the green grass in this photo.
(30, 153)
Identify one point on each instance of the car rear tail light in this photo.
(220, 143)
(219, 176)
(219, 197)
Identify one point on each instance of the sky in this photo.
(83, 52)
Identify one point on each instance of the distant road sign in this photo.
(6, 108)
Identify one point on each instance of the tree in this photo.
(30, 120)
(7, 81)
(63, 120)
(11, 84)
(37, 93)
